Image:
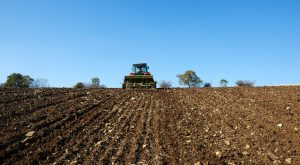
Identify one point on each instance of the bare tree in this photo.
(165, 84)
(102, 86)
(247, 83)
(40, 83)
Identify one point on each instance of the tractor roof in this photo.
(141, 64)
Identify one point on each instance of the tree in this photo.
(190, 79)
(40, 83)
(244, 83)
(17, 80)
(95, 82)
(1, 85)
(79, 85)
(165, 84)
(223, 83)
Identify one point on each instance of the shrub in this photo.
(207, 84)
(79, 85)
(244, 83)
(102, 86)
(165, 84)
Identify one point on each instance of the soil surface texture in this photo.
(239, 125)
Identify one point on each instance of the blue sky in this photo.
(67, 41)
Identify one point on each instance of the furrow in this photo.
(80, 149)
(125, 145)
(148, 138)
(169, 142)
(49, 130)
(42, 124)
(77, 132)
(135, 151)
(120, 133)
(108, 127)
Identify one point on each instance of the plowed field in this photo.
(165, 126)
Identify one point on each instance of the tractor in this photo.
(140, 77)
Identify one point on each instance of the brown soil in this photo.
(167, 126)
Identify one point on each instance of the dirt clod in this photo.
(218, 154)
(247, 147)
(29, 134)
(227, 142)
(272, 156)
(197, 163)
(288, 160)
(245, 153)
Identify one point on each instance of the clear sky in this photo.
(67, 41)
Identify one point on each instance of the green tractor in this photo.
(140, 77)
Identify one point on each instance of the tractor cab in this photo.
(140, 69)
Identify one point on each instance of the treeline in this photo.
(187, 79)
(95, 83)
(190, 79)
(17, 80)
